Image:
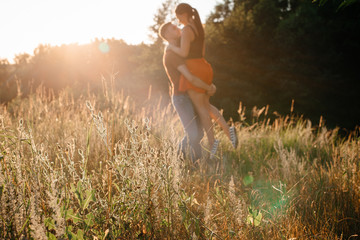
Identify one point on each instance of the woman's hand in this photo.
(170, 47)
(167, 48)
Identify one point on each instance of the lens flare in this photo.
(104, 47)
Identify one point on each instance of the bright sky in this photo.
(24, 24)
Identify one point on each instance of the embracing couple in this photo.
(191, 82)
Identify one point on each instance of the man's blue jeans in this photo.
(191, 124)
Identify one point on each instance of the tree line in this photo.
(264, 52)
(273, 51)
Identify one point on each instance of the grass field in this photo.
(105, 167)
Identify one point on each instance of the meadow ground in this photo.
(103, 167)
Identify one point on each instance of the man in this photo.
(175, 66)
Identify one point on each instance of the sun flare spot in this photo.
(104, 47)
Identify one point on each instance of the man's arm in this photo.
(210, 89)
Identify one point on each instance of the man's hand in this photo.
(212, 90)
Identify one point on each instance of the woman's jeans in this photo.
(191, 124)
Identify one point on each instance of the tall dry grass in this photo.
(103, 167)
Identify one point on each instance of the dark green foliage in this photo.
(270, 52)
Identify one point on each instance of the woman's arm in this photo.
(187, 36)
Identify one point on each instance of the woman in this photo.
(192, 48)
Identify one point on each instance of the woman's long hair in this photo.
(193, 13)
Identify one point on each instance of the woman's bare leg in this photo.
(202, 108)
(216, 115)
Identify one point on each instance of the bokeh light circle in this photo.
(104, 47)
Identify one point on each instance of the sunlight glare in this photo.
(30, 23)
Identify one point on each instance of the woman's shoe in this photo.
(233, 137)
(214, 149)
